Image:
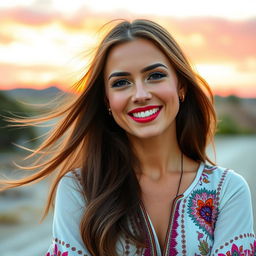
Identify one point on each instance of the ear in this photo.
(181, 92)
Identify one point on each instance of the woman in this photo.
(132, 177)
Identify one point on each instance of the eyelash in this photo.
(121, 80)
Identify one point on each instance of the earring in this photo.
(181, 99)
(109, 111)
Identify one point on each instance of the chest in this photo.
(159, 211)
(158, 200)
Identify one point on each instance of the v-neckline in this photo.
(153, 236)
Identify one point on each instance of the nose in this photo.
(141, 94)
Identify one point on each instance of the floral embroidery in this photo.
(239, 251)
(57, 252)
(236, 250)
(205, 175)
(253, 248)
(202, 209)
(203, 244)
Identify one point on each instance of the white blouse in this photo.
(212, 217)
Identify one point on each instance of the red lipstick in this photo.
(146, 118)
(144, 108)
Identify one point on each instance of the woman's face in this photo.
(141, 88)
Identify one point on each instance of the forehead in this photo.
(132, 55)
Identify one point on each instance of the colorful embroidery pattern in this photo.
(150, 249)
(202, 209)
(205, 175)
(234, 251)
(219, 188)
(203, 246)
(193, 223)
(56, 252)
(238, 250)
(183, 232)
(174, 234)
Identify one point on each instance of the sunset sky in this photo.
(45, 42)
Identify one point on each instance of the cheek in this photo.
(168, 93)
(117, 102)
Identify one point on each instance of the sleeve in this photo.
(234, 233)
(69, 207)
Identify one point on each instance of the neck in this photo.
(159, 155)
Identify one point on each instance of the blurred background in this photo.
(44, 49)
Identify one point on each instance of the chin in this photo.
(146, 134)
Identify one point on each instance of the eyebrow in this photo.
(142, 71)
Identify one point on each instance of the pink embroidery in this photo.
(174, 233)
(57, 252)
(208, 170)
(202, 209)
(239, 251)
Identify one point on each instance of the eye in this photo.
(157, 75)
(119, 83)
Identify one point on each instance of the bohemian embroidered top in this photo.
(212, 217)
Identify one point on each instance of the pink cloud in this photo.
(33, 16)
(225, 40)
(28, 15)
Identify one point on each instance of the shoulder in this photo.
(222, 175)
(72, 177)
(70, 189)
(68, 213)
(227, 182)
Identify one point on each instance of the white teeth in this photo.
(145, 113)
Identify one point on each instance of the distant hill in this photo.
(9, 135)
(236, 115)
(34, 96)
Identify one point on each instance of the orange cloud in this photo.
(34, 17)
(202, 38)
(211, 43)
(6, 39)
(36, 75)
(223, 40)
(27, 15)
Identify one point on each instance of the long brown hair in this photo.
(86, 136)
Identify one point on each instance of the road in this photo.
(32, 239)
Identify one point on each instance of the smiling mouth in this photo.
(146, 115)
